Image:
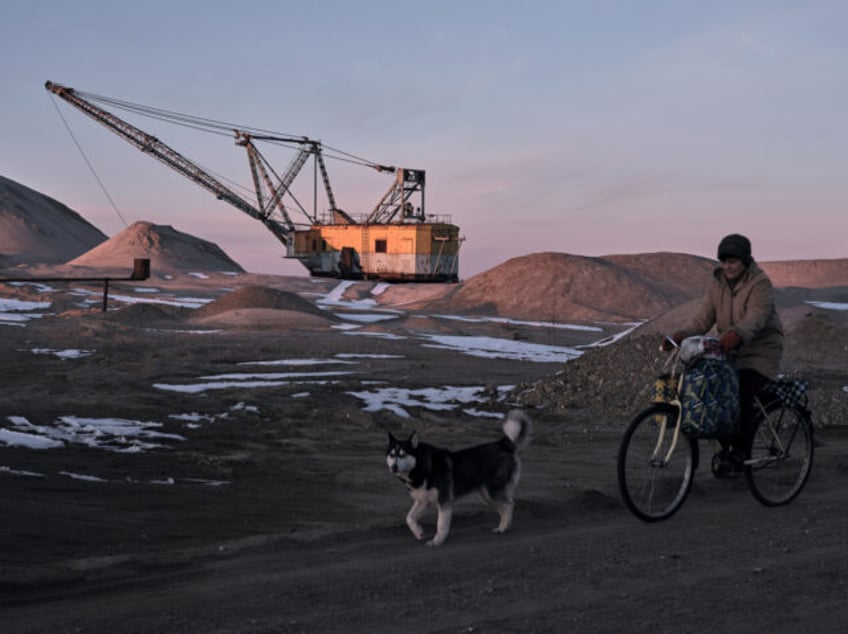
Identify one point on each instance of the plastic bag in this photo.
(694, 348)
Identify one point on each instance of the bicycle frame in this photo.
(676, 435)
(782, 450)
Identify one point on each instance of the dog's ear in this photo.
(413, 440)
(392, 439)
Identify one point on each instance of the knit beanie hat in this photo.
(735, 246)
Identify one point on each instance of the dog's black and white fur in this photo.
(440, 476)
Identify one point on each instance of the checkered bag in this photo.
(790, 392)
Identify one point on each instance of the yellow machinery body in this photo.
(421, 252)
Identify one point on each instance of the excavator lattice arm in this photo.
(170, 157)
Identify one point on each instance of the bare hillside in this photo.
(34, 228)
(808, 273)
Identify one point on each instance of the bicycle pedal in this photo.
(725, 465)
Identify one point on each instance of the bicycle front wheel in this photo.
(781, 455)
(654, 474)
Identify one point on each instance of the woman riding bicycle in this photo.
(659, 449)
(740, 304)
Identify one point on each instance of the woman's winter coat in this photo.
(748, 309)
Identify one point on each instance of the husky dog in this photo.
(440, 476)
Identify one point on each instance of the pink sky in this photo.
(585, 128)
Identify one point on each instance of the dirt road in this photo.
(575, 561)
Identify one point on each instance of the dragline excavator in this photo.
(396, 241)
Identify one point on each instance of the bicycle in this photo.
(657, 461)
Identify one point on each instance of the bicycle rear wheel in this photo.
(781, 455)
(652, 482)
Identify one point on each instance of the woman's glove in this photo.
(729, 341)
(667, 346)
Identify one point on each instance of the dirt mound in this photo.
(169, 251)
(616, 380)
(37, 229)
(413, 296)
(259, 297)
(262, 318)
(558, 286)
(147, 314)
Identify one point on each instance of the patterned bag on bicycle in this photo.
(709, 399)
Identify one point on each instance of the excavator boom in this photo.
(170, 157)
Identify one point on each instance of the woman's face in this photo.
(733, 268)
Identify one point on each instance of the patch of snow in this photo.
(64, 354)
(196, 388)
(78, 476)
(380, 288)
(367, 318)
(110, 434)
(30, 441)
(515, 322)
(297, 362)
(18, 472)
(13, 311)
(354, 355)
(496, 348)
(377, 335)
(436, 399)
(270, 376)
(829, 305)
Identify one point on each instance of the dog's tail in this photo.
(517, 427)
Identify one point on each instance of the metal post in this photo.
(141, 271)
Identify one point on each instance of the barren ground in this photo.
(305, 530)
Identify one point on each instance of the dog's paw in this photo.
(434, 543)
